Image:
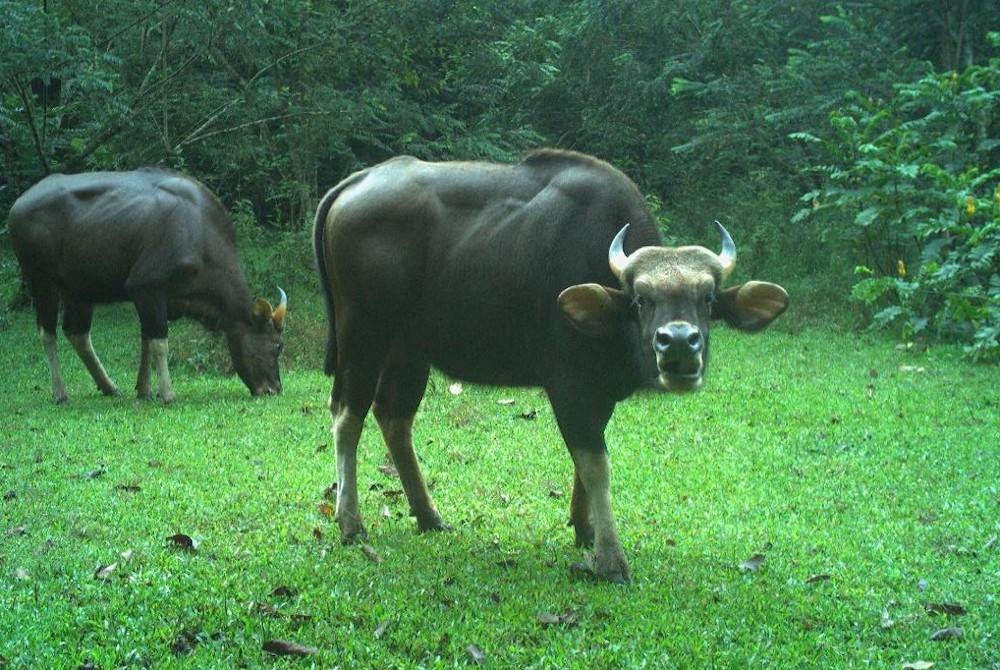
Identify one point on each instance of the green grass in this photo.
(872, 490)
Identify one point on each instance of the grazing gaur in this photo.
(157, 238)
(547, 273)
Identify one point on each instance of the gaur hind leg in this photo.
(582, 422)
(77, 318)
(359, 366)
(400, 389)
(46, 300)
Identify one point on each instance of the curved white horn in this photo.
(728, 255)
(617, 258)
(278, 316)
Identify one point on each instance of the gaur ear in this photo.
(594, 309)
(262, 309)
(751, 306)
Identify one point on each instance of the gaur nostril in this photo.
(694, 340)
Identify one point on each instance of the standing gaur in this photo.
(156, 238)
(547, 273)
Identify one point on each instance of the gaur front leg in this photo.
(582, 420)
(579, 514)
(594, 473)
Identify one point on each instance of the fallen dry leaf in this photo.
(953, 609)
(477, 655)
(21, 575)
(283, 592)
(753, 563)
(370, 553)
(182, 541)
(10, 494)
(286, 648)
(950, 633)
(506, 402)
(381, 629)
(389, 470)
(568, 618)
(325, 509)
(918, 665)
(127, 555)
(128, 488)
(104, 572)
(529, 415)
(912, 368)
(99, 472)
(17, 530)
(455, 389)
(812, 579)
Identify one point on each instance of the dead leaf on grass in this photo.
(455, 389)
(21, 575)
(128, 488)
(283, 592)
(950, 633)
(918, 665)
(529, 415)
(182, 541)
(97, 473)
(325, 509)
(568, 618)
(104, 572)
(477, 655)
(10, 494)
(389, 470)
(753, 564)
(287, 648)
(822, 577)
(381, 629)
(17, 530)
(506, 402)
(370, 553)
(953, 609)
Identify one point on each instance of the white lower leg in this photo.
(595, 474)
(55, 376)
(158, 352)
(142, 388)
(346, 434)
(85, 350)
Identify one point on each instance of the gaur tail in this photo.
(319, 235)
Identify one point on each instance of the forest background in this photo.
(853, 148)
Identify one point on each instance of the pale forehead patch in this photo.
(681, 266)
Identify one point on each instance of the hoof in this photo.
(584, 534)
(612, 568)
(61, 400)
(352, 531)
(432, 525)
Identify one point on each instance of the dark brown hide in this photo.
(153, 237)
(500, 274)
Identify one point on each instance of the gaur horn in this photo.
(728, 255)
(617, 258)
(278, 316)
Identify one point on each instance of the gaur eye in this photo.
(640, 302)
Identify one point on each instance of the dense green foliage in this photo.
(916, 171)
(717, 108)
(871, 503)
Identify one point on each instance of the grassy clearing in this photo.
(867, 478)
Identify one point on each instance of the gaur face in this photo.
(255, 348)
(672, 291)
(675, 293)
